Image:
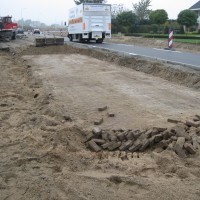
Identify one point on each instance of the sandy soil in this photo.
(48, 102)
(138, 100)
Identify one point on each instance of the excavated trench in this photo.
(121, 84)
(50, 98)
(175, 73)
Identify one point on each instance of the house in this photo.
(196, 8)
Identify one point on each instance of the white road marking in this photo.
(133, 54)
(167, 50)
(119, 44)
(124, 52)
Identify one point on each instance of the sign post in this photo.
(170, 39)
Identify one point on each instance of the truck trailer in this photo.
(89, 21)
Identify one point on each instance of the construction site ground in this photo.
(49, 100)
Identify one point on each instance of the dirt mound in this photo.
(35, 135)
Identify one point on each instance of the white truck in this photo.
(89, 21)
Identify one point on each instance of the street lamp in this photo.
(22, 18)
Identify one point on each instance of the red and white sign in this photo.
(170, 40)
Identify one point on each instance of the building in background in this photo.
(196, 8)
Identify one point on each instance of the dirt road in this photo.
(49, 99)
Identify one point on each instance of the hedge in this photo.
(162, 36)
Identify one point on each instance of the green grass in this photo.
(187, 34)
(189, 41)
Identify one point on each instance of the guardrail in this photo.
(56, 33)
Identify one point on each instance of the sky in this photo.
(51, 12)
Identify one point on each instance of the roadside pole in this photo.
(170, 39)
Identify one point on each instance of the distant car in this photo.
(36, 31)
(20, 31)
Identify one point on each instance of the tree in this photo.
(116, 9)
(77, 2)
(115, 26)
(126, 20)
(27, 22)
(159, 16)
(187, 18)
(141, 10)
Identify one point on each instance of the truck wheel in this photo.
(13, 36)
(80, 40)
(99, 41)
(70, 38)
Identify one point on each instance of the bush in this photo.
(143, 29)
(166, 30)
(182, 30)
(192, 29)
(133, 34)
(154, 28)
(155, 36)
(162, 36)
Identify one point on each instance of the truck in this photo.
(8, 29)
(89, 21)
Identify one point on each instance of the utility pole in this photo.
(22, 18)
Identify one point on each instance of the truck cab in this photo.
(7, 24)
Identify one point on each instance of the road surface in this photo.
(191, 60)
(183, 58)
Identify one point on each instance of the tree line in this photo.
(125, 21)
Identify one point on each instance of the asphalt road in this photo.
(188, 59)
(191, 60)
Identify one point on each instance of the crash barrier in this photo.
(56, 33)
(43, 41)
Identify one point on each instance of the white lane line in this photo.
(167, 50)
(119, 44)
(133, 54)
(124, 52)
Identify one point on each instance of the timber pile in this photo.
(183, 138)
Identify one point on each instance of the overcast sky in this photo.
(51, 12)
